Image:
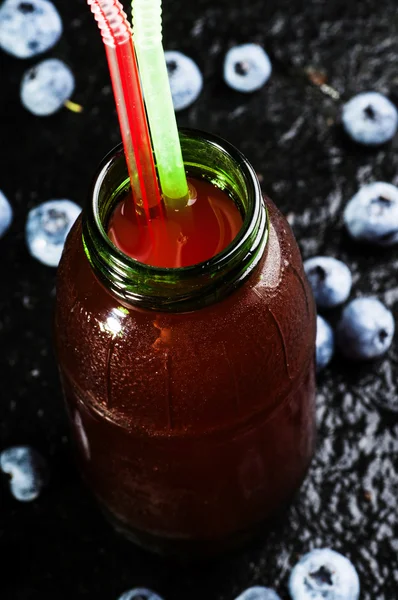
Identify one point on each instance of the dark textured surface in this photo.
(60, 547)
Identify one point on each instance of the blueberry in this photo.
(247, 68)
(330, 280)
(5, 214)
(370, 118)
(372, 214)
(46, 87)
(139, 594)
(47, 227)
(324, 575)
(29, 28)
(185, 78)
(28, 470)
(324, 343)
(258, 593)
(365, 330)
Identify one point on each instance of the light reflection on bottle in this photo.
(113, 324)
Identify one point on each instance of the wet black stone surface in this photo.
(59, 546)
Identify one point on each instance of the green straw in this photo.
(147, 21)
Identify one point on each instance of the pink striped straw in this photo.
(117, 37)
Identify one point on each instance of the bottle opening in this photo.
(213, 265)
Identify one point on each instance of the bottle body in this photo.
(191, 427)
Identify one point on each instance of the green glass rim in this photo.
(120, 270)
(216, 260)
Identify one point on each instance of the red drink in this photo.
(181, 237)
(190, 391)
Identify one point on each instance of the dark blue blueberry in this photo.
(324, 343)
(47, 227)
(139, 594)
(330, 280)
(185, 79)
(258, 593)
(247, 68)
(29, 28)
(46, 87)
(28, 471)
(324, 575)
(5, 214)
(365, 330)
(370, 118)
(372, 214)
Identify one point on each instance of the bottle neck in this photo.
(188, 288)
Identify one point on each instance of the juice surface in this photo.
(180, 238)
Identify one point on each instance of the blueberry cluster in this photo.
(369, 118)
(366, 327)
(28, 29)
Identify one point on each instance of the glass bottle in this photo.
(190, 391)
